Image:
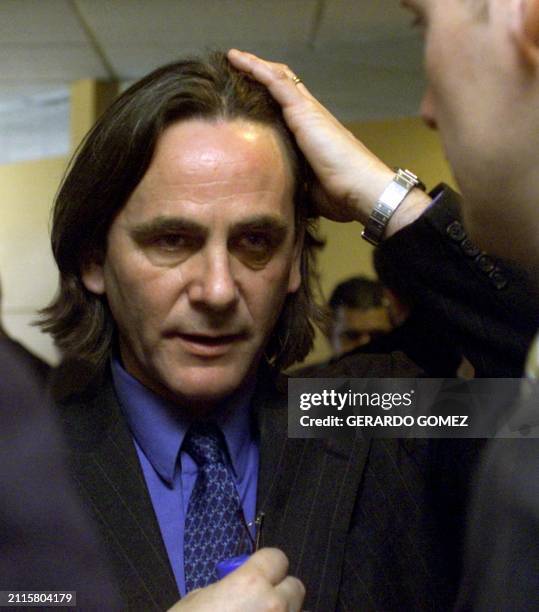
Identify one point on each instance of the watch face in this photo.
(392, 196)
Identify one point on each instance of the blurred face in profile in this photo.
(201, 258)
(481, 62)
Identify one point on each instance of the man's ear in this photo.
(93, 277)
(526, 31)
(294, 277)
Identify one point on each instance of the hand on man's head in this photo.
(350, 176)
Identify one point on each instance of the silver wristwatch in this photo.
(392, 197)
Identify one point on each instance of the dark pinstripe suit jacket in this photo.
(366, 525)
(350, 514)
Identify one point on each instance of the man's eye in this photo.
(170, 242)
(169, 249)
(256, 242)
(254, 248)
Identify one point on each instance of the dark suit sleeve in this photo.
(502, 560)
(486, 306)
(46, 540)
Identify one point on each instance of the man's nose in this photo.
(215, 286)
(427, 110)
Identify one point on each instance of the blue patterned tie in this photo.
(213, 525)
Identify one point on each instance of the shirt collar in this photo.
(159, 426)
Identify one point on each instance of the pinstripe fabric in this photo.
(307, 491)
(394, 558)
(111, 483)
(354, 516)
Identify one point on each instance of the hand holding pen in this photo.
(260, 584)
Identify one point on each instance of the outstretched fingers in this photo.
(284, 85)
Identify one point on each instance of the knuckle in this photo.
(251, 581)
(274, 603)
(282, 75)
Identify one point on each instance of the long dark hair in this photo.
(110, 163)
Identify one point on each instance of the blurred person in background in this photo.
(359, 313)
(367, 317)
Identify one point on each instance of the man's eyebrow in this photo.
(165, 225)
(261, 223)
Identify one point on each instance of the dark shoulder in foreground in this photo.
(363, 365)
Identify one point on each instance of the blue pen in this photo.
(223, 568)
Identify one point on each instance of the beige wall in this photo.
(27, 191)
(88, 100)
(27, 269)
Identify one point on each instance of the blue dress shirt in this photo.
(158, 428)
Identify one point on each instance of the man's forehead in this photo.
(212, 144)
(204, 171)
(204, 158)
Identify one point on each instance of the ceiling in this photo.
(360, 57)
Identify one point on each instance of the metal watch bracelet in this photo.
(392, 197)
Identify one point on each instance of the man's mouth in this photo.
(212, 340)
(209, 345)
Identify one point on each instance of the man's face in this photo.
(200, 259)
(477, 98)
(354, 327)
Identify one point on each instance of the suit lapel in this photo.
(307, 491)
(109, 476)
(306, 488)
